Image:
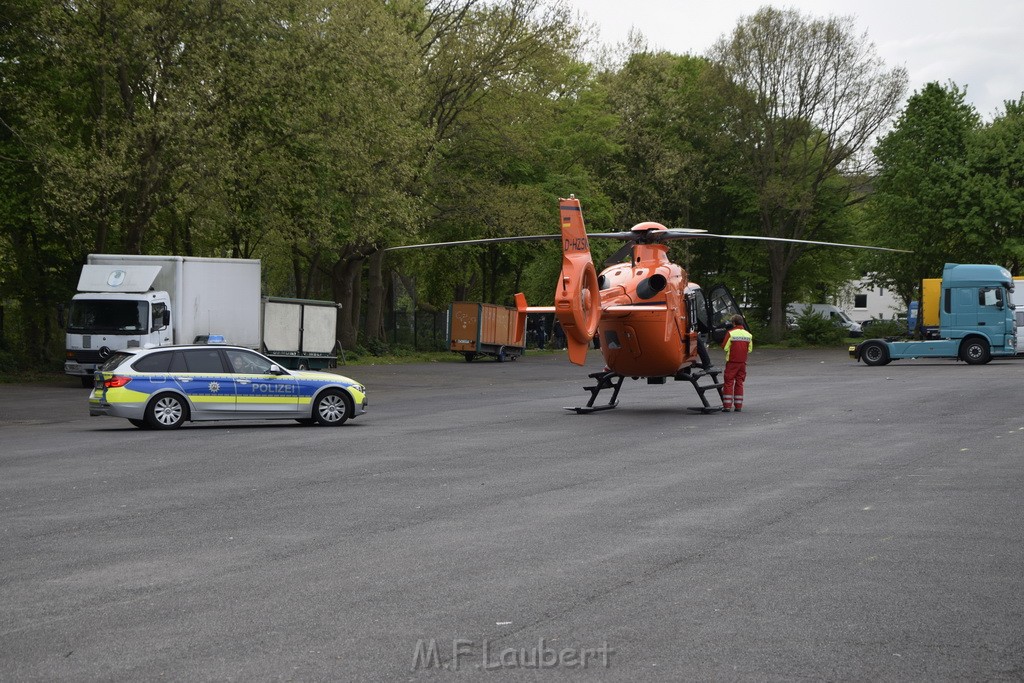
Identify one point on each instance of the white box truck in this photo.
(129, 301)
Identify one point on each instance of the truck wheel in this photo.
(166, 411)
(303, 366)
(501, 355)
(332, 408)
(469, 356)
(975, 351)
(874, 353)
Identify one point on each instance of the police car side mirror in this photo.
(276, 370)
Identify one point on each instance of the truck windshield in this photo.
(107, 315)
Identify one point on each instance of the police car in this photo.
(163, 387)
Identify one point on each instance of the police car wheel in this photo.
(306, 421)
(166, 411)
(332, 408)
(141, 424)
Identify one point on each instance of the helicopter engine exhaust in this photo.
(649, 287)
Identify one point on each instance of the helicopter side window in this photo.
(701, 318)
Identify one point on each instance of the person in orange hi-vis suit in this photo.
(737, 344)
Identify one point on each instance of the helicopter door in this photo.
(720, 307)
(697, 308)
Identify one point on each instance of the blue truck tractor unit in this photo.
(968, 315)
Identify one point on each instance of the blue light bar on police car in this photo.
(209, 339)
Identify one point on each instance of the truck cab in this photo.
(973, 305)
(110, 314)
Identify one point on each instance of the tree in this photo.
(506, 100)
(314, 141)
(670, 111)
(810, 96)
(995, 189)
(920, 191)
(675, 159)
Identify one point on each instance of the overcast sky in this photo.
(978, 44)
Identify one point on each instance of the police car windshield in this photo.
(108, 315)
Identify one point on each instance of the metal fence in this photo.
(423, 331)
(418, 330)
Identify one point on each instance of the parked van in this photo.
(833, 313)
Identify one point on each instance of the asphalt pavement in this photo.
(852, 523)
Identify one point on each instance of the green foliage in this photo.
(10, 362)
(809, 96)
(311, 134)
(815, 330)
(515, 123)
(918, 203)
(994, 195)
(672, 148)
(374, 347)
(885, 328)
(756, 326)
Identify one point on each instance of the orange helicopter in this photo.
(648, 316)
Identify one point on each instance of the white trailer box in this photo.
(300, 333)
(208, 295)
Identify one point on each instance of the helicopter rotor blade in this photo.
(646, 237)
(782, 239)
(489, 240)
(619, 254)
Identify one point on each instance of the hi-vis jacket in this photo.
(737, 344)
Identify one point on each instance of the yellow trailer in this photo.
(931, 293)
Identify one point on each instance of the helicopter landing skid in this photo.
(605, 380)
(693, 376)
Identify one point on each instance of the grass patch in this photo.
(405, 357)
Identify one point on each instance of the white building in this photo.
(864, 301)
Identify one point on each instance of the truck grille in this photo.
(87, 356)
